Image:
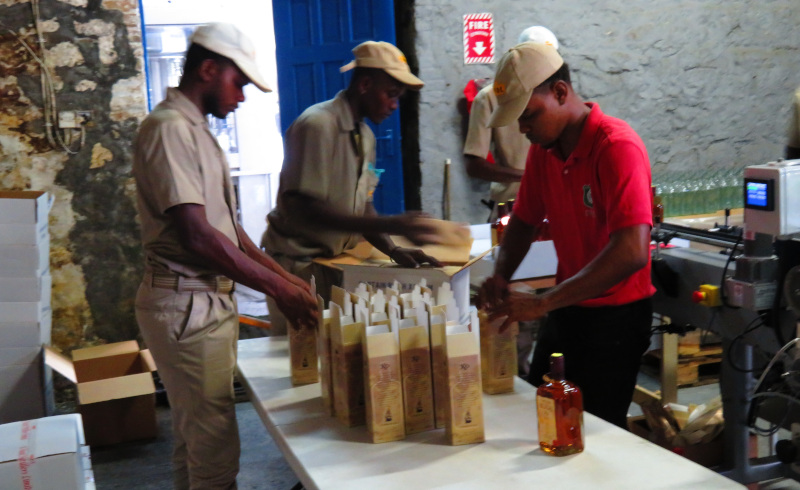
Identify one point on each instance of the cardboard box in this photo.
(26, 289)
(383, 390)
(116, 393)
(26, 389)
(43, 453)
(24, 207)
(364, 264)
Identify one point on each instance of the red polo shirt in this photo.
(602, 187)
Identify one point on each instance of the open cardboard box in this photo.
(708, 454)
(43, 453)
(116, 393)
(366, 264)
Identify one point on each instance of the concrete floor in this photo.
(146, 465)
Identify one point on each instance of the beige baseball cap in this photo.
(228, 41)
(383, 55)
(523, 68)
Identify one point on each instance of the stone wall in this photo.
(93, 49)
(706, 83)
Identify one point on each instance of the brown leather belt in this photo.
(218, 284)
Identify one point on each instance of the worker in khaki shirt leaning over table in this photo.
(324, 203)
(194, 250)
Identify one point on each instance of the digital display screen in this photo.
(759, 194)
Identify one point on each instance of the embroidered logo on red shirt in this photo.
(587, 196)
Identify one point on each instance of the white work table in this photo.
(327, 455)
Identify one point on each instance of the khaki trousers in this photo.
(193, 336)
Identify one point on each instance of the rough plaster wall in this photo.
(94, 51)
(706, 83)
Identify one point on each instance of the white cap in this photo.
(228, 41)
(538, 34)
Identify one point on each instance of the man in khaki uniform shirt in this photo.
(510, 150)
(194, 250)
(324, 203)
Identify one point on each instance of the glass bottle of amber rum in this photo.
(559, 407)
(500, 223)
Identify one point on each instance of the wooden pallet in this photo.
(696, 369)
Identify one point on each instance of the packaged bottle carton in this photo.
(498, 355)
(383, 385)
(303, 355)
(324, 351)
(348, 370)
(415, 363)
(465, 402)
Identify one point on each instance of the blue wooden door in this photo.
(316, 37)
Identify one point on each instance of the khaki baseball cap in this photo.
(523, 68)
(228, 41)
(383, 55)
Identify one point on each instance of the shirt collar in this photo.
(344, 115)
(176, 100)
(586, 141)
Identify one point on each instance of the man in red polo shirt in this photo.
(589, 174)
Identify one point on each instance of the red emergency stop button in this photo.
(699, 296)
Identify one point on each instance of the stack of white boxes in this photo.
(25, 312)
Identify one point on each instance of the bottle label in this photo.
(546, 412)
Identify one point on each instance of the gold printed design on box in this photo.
(417, 390)
(303, 356)
(385, 400)
(466, 397)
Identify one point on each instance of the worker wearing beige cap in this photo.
(509, 148)
(590, 175)
(324, 203)
(195, 250)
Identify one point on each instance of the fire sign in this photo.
(478, 39)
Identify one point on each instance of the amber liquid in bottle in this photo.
(500, 223)
(559, 407)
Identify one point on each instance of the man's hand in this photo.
(297, 306)
(413, 257)
(517, 307)
(493, 292)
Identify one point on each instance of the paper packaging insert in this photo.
(116, 392)
(52, 446)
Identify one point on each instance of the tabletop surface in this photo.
(325, 454)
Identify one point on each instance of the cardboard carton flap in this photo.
(115, 388)
(147, 360)
(60, 363)
(105, 350)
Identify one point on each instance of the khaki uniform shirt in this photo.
(177, 160)
(508, 146)
(323, 159)
(794, 123)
